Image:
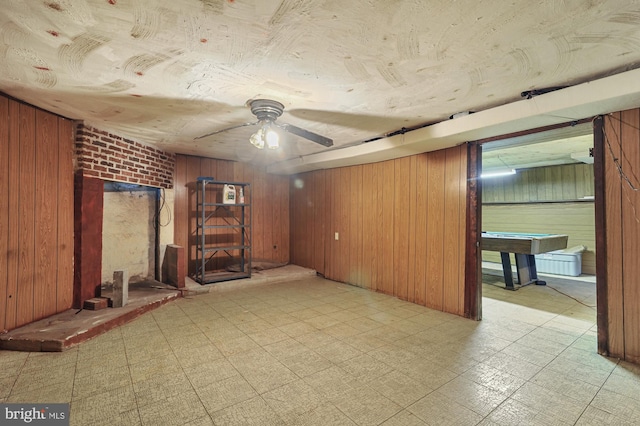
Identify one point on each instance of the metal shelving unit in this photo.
(222, 228)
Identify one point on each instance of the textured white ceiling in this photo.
(167, 71)
(566, 145)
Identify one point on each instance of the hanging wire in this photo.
(163, 206)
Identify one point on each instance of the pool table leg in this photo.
(506, 270)
(527, 271)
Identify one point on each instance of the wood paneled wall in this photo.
(269, 203)
(400, 226)
(36, 213)
(619, 302)
(567, 182)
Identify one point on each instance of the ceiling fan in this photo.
(267, 111)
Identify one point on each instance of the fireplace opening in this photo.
(129, 232)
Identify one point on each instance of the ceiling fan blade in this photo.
(314, 137)
(228, 128)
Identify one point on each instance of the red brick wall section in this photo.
(111, 157)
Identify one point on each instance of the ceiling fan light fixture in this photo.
(272, 138)
(267, 112)
(257, 140)
(265, 136)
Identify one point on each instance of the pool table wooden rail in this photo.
(514, 243)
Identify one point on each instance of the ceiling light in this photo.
(497, 173)
(265, 135)
(257, 140)
(272, 138)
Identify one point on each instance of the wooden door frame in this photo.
(473, 278)
(473, 260)
(602, 300)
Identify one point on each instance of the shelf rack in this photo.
(213, 218)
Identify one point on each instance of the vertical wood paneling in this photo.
(532, 188)
(4, 211)
(630, 163)
(613, 191)
(422, 215)
(621, 154)
(328, 218)
(350, 221)
(180, 212)
(269, 222)
(333, 247)
(368, 223)
(408, 216)
(401, 226)
(329, 244)
(411, 278)
(301, 213)
(294, 222)
(64, 297)
(378, 231)
(587, 178)
(308, 204)
(342, 199)
(355, 242)
(556, 183)
(519, 185)
(321, 212)
(13, 242)
(337, 225)
(539, 177)
(435, 229)
(566, 182)
(46, 173)
(283, 243)
(26, 227)
(259, 211)
(388, 228)
(508, 187)
(451, 251)
(37, 244)
(238, 172)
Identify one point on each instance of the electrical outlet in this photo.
(337, 236)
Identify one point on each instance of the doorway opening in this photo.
(538, 190)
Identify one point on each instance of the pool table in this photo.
(524, 247)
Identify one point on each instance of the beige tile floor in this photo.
(317, 352)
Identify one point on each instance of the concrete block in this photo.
(120, 288)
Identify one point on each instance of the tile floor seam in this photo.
(15, 380)
(131, 378)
